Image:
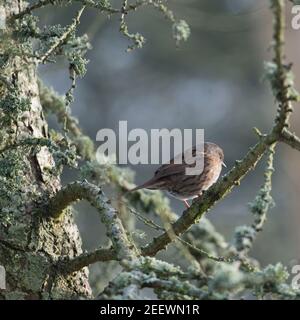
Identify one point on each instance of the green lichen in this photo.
(226, 277)
(12, 106)
(137, 39)
(272, 280)
(271, 74)
(53, 103)
(27, 28)
(37, 268)
(181, 31)
(244, 237)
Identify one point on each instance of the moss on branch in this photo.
(245, 235)
(62, 38)
(52, 103)
(290, 139)
(280, 81)
(100, 5)
(94, 195)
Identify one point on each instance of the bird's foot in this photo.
(186, 203)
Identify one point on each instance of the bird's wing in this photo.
(161, 175)
(169, 169)
(174, 168)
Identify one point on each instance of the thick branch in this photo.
(109, 216)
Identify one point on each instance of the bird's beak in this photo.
(223, 164)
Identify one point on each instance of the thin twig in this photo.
(62, 38)
(280, 83)
(145, 220)
(85, 259)
(204, 253)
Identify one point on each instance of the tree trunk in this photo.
(30, 245)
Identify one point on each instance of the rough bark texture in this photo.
(30, 244)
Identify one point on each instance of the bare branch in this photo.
(85, 259)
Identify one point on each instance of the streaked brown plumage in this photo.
(172, 177)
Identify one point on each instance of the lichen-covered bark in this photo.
(29, 243)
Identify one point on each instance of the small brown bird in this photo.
(172, 177)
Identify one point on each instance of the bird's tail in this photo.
(150, 184)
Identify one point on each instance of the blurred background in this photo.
(214, 81)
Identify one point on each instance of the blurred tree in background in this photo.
(212, 81)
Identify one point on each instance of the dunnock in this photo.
(172, 177)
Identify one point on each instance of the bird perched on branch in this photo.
(173, 178)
